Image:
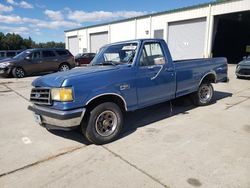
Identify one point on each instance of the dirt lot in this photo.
(187, 147)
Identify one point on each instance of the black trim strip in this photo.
(56, 114)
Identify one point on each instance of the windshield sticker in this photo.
(129, 47)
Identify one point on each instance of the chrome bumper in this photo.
(58, 118)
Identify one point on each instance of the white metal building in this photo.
(206, 30)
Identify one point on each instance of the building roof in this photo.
(154, 14)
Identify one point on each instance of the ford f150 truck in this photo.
(123, 76)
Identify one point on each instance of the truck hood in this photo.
(57, 79)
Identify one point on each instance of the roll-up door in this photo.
(73, 45)
(97, 40)
(186, 39)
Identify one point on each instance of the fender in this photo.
(103, 94)
(210, 72)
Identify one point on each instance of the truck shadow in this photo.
(146, 116)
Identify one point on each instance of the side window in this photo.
(48, 53)
(152, 54)
(85, 56)
(62, 52)
(36, 55)
(10, 54)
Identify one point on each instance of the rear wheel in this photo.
(204, 94)
(104, 123)
(18, 72)
(64, 67)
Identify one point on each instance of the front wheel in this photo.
(18, 72)
(204, 94)
(104, 123)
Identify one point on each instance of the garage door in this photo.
(186, 39)
(97, 40)
(73, 45)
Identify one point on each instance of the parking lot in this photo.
(182, 146)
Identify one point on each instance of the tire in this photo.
(18, 72)
(64, 67)
(104, 123)
(204, 94)
(239, 77)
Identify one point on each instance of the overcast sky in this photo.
(46, 20)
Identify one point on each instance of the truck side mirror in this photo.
(159, 61)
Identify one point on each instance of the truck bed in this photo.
(189, 72)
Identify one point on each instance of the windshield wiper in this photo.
(106, 63)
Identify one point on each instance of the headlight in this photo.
(62, 94)
(3, 65)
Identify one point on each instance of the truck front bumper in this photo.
(57, 119)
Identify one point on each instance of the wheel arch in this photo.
(107, 97)
(209, 77)
(64, 62)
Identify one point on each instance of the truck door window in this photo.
(152, 54)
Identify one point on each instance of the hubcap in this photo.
(19, 73)
(205, 93)
(106, 123)
(64, 68)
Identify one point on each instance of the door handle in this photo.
(157, 74)
(151, 67)
(169, 69)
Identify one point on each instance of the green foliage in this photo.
(12, 41)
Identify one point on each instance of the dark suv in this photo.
(34, 61)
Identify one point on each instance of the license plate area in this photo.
(38, 119)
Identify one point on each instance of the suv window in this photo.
(35, 55)
(151, 54)
(62, 52)
(48, 53)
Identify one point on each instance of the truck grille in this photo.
(40, 96)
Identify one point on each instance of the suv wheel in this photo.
(18, 72)
(64, 67)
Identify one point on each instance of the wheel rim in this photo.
(64, 68)
(106, 123)
(205, 93)
(20, 73)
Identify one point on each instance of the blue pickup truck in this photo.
(123, 77)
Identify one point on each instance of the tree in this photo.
(12, 41)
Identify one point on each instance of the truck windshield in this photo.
(115, 54)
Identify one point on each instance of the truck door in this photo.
(156, 76)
